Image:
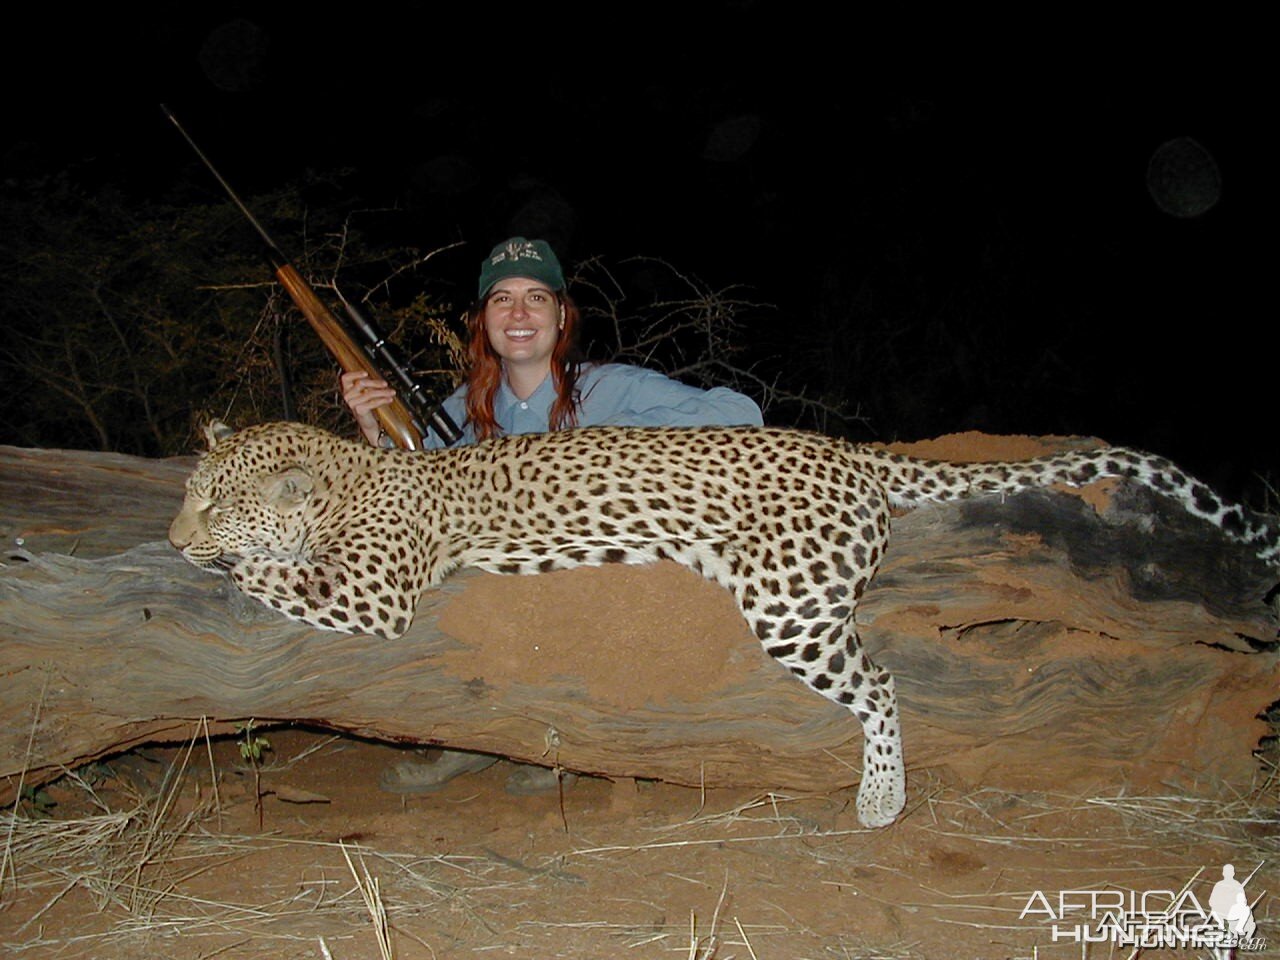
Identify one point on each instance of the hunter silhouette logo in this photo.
(1153, 919)
(1230, 904)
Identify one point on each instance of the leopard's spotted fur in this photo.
(346, 537)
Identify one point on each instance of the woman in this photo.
(526, 377)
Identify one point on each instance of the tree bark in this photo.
(1040, 642)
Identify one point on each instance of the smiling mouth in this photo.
(521, 334)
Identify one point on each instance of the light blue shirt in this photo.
(612, 395)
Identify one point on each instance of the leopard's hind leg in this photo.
(829, 658)
(802, 609)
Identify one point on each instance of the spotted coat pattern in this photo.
(346, 537)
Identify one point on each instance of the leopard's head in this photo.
(252, 492)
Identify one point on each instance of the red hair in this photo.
(484, 375)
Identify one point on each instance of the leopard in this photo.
(345, 536)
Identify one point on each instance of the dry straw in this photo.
(141, 867)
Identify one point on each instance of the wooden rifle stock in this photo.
(396, 419)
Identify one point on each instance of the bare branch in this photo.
(692, 331)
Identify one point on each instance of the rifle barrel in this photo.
(396, 419)
(235, 198)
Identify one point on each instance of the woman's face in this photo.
(522, 319)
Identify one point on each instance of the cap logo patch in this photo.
(517, 251)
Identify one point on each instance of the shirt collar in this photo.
(507, 400)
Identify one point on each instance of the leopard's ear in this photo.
(216, 431)
(290, 489)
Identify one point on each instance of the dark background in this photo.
(954, 221)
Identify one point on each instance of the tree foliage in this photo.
(129, 324)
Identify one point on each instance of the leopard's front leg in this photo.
(329, 593)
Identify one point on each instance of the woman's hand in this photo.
(363, 394)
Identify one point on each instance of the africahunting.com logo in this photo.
(1153, 919)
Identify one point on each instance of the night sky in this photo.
(960, 205)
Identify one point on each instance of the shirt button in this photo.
(524, 405)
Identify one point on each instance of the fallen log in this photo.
(1043, 641)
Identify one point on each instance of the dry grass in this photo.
(137, 865)
(1128, 843)
(138, 871)
(141, 867)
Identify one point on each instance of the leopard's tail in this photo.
(909, 481)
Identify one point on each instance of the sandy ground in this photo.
(609, 870)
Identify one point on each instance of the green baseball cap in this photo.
(519, 257)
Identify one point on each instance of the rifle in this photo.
(402, 420)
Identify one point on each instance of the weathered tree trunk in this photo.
(1036, 643)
